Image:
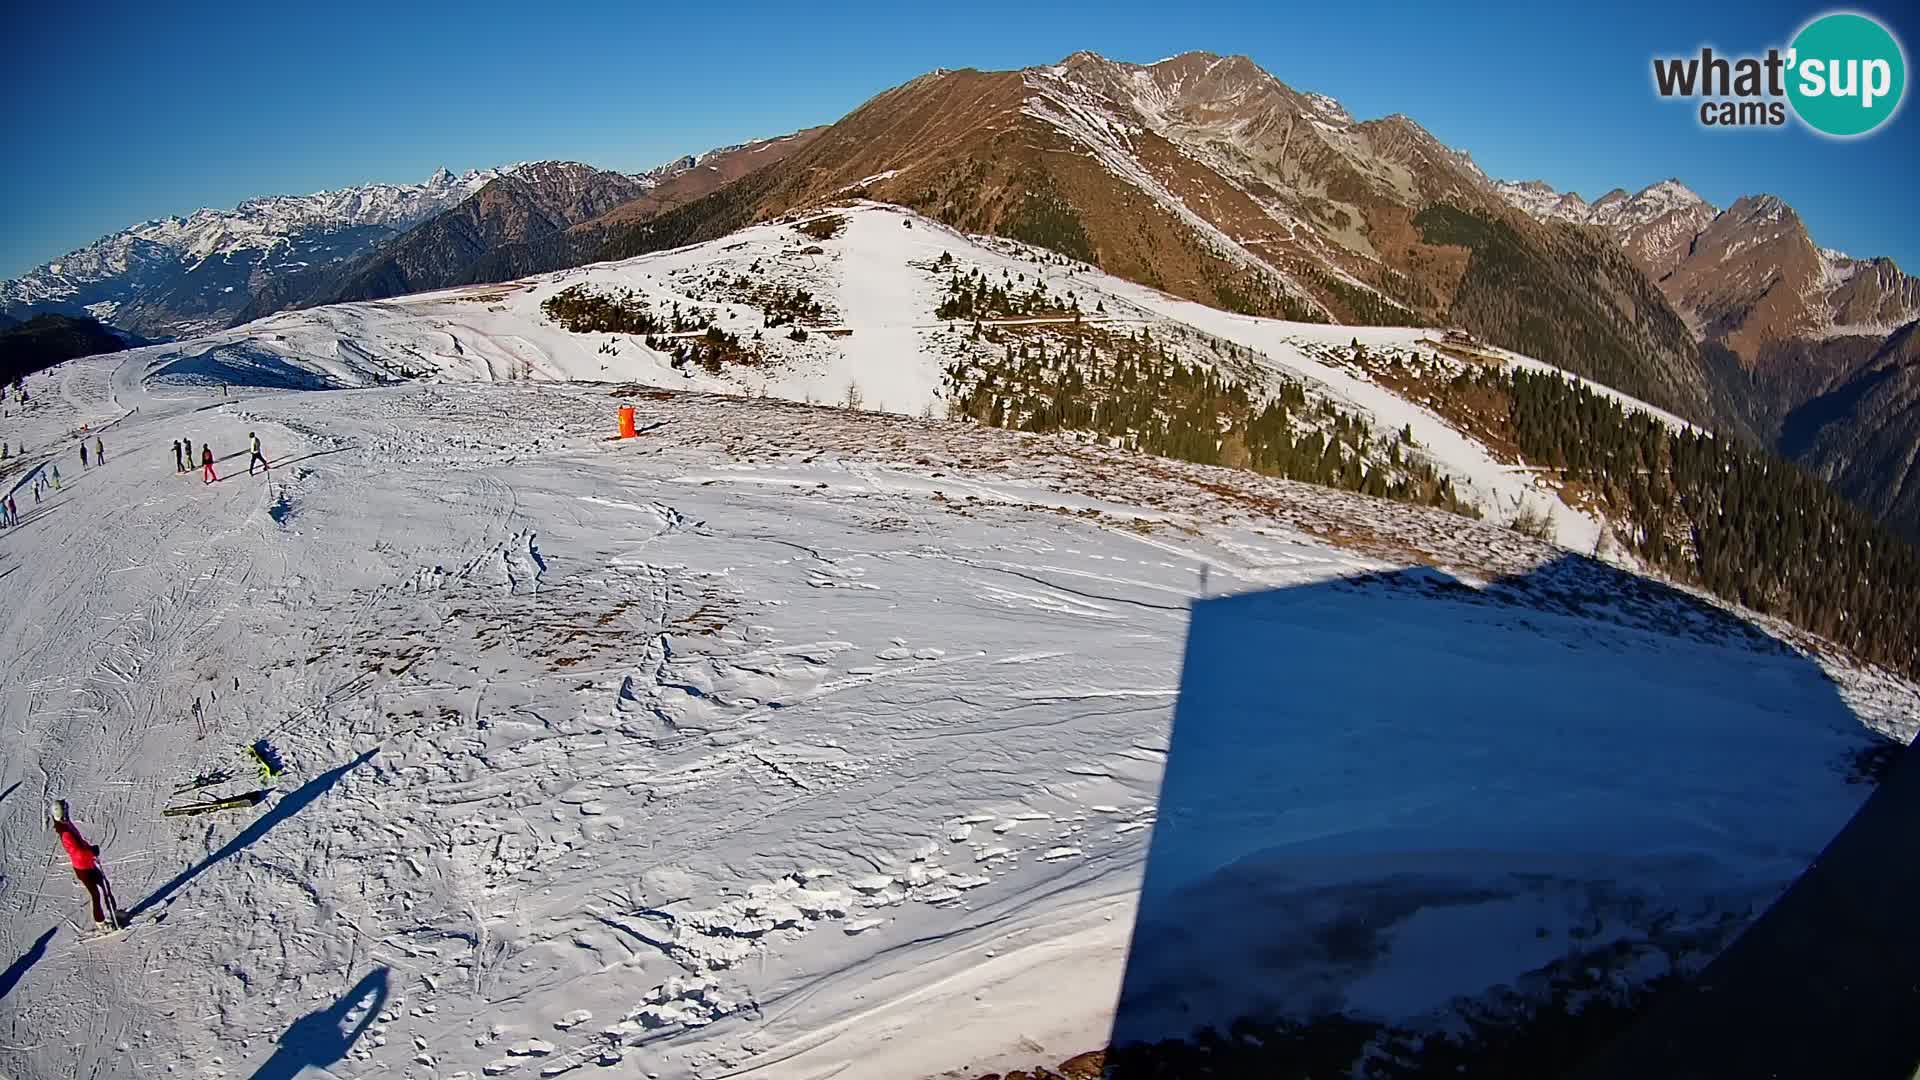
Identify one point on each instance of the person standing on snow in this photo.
(56, 478)
(206, 462)
(254, 440)
(85, 858)
(99, 451)
(83, 455)
(188, 443)
(179, 463)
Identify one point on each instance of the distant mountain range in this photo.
(1813, 349)
(1201, 175)
(174, 276)
(178, 277)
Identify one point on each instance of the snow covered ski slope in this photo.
(878, 282)
(790, 741)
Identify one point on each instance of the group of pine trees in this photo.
(588, 311)
(1714, 512)
(973, 295)
(1247, 292)
(712, 350)
(1140, 396)
(785, 304)
(585, 310)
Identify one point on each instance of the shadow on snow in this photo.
(1410, 826)
(241, 365)
(324, 1036)
(17, 970)
(289, 805)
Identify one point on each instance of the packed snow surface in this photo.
(789, 741)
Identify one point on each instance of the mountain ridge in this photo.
(1210, 178)
(179, 275)
(1807, 341)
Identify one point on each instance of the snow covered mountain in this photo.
(797, 741)
(1209, 178)
(175, 277)
(854, 311)
(541, 216)
(1810, 339)
(1655, 225)
(521, 205)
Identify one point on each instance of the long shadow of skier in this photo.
(282, 810)
(321, 1038)
(18, 969)
(34, 515)
(311, 454)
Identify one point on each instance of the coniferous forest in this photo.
(1132, 391)
(1714, 512)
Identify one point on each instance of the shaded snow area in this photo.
(1518, 796)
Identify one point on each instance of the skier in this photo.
(257, 455)
(83, 456)
(56, 478)
(188, 443)
(206, 462)
(99, 451)
(179, 463)
(13, 512)
(85, 858)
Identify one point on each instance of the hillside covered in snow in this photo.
(850, 301)
(794, 739)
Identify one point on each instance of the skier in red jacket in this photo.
(85, 858)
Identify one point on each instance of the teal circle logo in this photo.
(1848, 74)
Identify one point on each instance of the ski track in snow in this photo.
(705, 711)
(741, 746)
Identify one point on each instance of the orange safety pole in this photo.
(626, 422)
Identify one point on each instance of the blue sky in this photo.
(121, 112)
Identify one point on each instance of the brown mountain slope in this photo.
(1863, 436)
(1811, 349)
(679, 183)
(532, 204)
(523, 203)
(699, 177)
(1209, 178)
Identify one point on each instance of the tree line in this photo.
(1131, 391)
(1743, 524)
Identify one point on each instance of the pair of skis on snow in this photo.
(266, 762)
